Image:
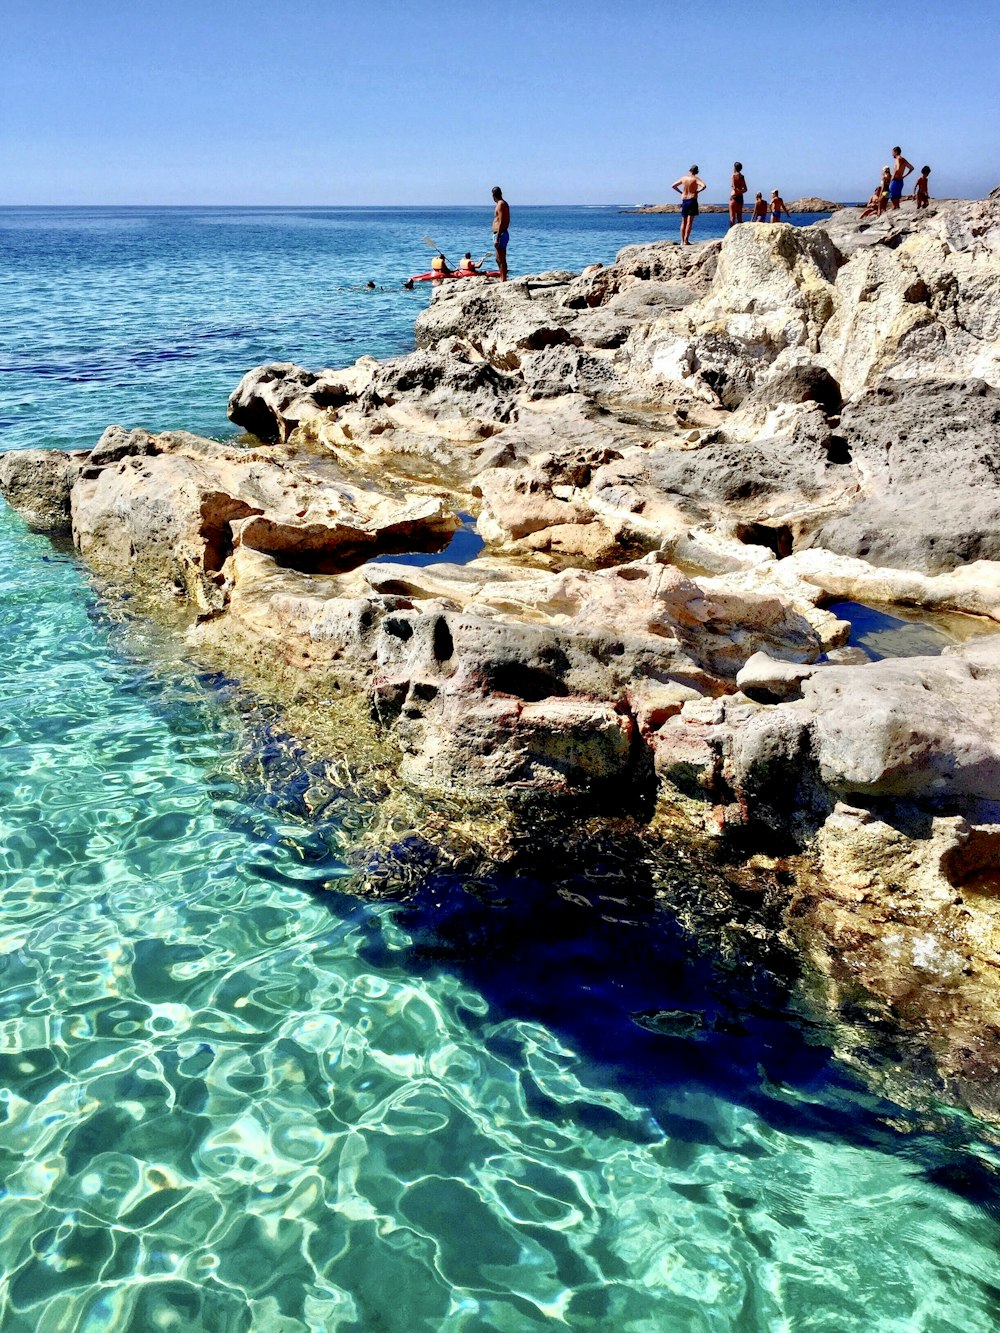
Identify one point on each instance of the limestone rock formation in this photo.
(270, 402)
(164, 513)
(930, 455)
(37, 483)
(674, 463)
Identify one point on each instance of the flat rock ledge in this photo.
(675, 464)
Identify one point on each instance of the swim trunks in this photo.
(895, 189)
(689, 208)
(501, 239)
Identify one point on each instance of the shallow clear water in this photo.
(232, 1096)
(882, 632)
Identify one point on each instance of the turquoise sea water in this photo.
(234, 1097)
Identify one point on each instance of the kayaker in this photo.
(467, 265)
(501, 233)
(440, 265)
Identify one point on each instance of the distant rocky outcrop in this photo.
(675, 463)
(812, 204)
(676, 208)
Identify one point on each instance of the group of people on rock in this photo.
(889, 191)
(888, 194)
(690, 186)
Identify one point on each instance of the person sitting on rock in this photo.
(879, 201)
(921, 193)
(759, 213)
(777, 207)
(873, 206)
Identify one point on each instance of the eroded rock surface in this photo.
(929, 454)
(37, 483)
(674, 462)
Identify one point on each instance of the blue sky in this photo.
(346, 102)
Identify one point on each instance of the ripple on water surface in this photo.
(234, 1098)
(231, 1101)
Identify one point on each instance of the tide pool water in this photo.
(233, 1097)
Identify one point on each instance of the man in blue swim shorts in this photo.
(501, 235)
(900, 170)
(689, 187)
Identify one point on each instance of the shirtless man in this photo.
(501, 234)
(921, 193)
(900, 170)
(739, 189)
(689, 187)
(777, 207)
(759, 209)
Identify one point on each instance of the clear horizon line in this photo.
(611, 203)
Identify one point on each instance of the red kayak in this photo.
(458, 273)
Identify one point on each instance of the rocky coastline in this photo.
(812, 204)
(674, 465)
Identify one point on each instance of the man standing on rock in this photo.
(900, 170)
(501, 235)
(689, 187)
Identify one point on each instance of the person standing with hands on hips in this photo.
(900, 170)
(689, 187)
(501, 234)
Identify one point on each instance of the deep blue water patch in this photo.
(881, 633)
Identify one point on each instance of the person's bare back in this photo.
(689, 187)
